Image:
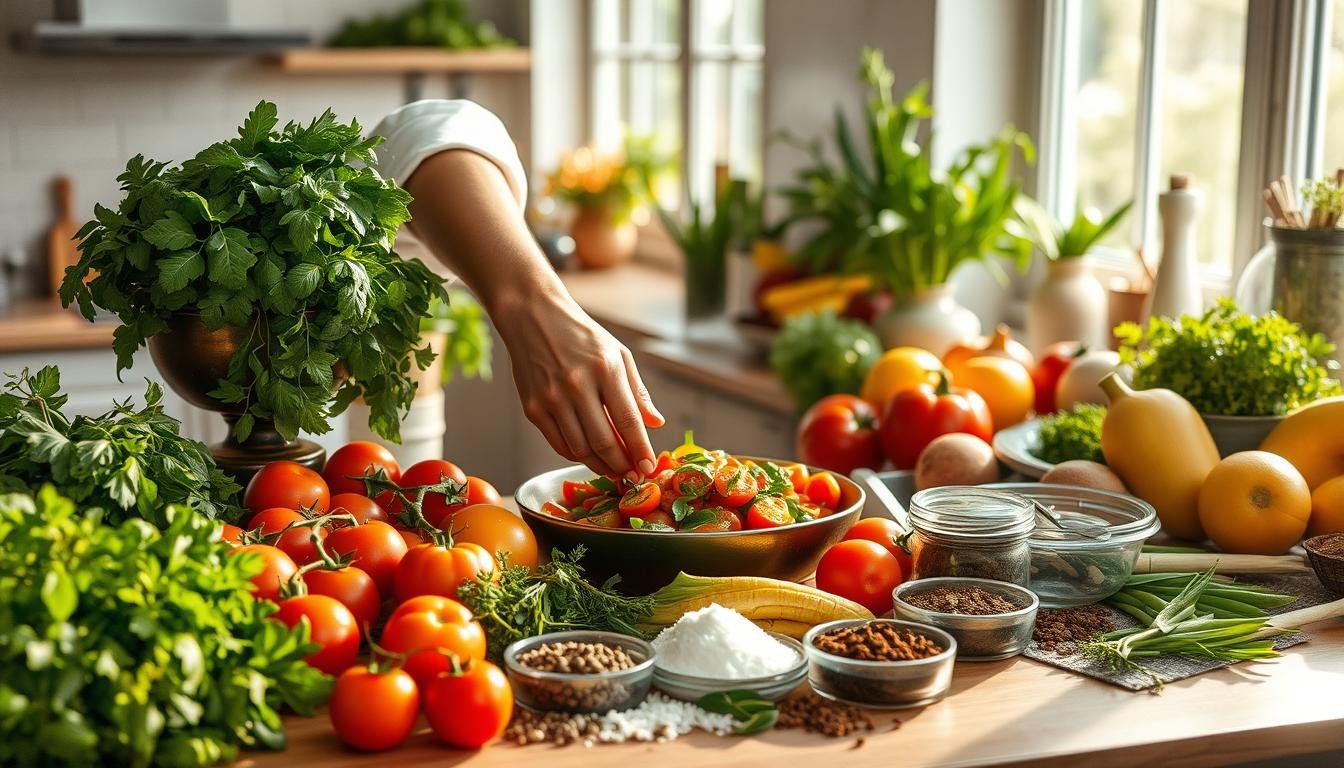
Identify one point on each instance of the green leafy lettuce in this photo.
(819, 354)
(126, 462)
(1230, 363)
(288, 232)
(124, 645)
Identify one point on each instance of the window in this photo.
(1234, 92)
(642, 55)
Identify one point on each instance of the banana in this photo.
(781, 297)
(1312, 439)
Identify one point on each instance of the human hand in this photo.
(579, 386)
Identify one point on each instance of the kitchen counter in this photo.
(36, 325)
(1012, 712)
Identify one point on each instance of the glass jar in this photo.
(976, 532)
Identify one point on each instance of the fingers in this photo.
(626, 418)
(652, 418)
(562, 430)
(574, 425)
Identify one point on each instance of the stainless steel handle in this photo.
(879, 492)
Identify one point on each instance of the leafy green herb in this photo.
(513, 603)
(641, 525)
(753, 713)
(681, 508)
(604, 484)
(288, 233)
(124, 645)
(1229, 363)
(126, 462)
(819, 354)
(698, 517)
(1087, 228)
(432, 23)
(1073, 434)
(470, 343)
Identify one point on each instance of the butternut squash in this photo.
(1156, 442)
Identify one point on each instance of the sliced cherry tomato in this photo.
(798, 476)
(555, 510)
(575, 492)
(693, 481)
(640, 500)
(296, 542)
(286, 484)
(351, 587)
(659, 517)
(374, 710)
(724, 520)
(277, 568)
(735, 486)
(768, 512)
(665, 463)
(355, 459)
(429, 630)
(608, 519)
(471, 709)
(824, 489)
(362, 507)
(430, 569)
(376, 547)
(331, 626)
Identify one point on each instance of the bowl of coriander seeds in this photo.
(579, 672)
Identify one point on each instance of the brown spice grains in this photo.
(576, 658)
(877, 641)
(1058, 630)
(968, 601)
(817, 715)
(1332, 547)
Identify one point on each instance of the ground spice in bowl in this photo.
(1059, 630)
(877, 641)
(574, 658)
(969, 601)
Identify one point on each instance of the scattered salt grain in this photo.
(723, 644)
(660, 718)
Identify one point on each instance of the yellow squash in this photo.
(1312, 439)
(778, 606)
(1158, 445)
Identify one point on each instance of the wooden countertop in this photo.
(1013, 712)
(636, 298)
(33, 325)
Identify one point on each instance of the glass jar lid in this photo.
(973, 513)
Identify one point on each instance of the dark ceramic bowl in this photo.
(648, 560)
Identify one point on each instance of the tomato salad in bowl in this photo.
(694, 490)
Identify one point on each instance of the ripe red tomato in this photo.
(471, 709)
(410, 537)
(357, 458)
(575, 492)
(608, 519)
(286, 484)
(692, 481)
(768, 512)
(840, 433)
(295, 542)
(887, 533)
(429, 631)
(555, 510)
(916, 416)
(377, 549)
(735, 486)
(1045, 375)
(496, 529)
(823, 489)
(362, 507)
(230, 533)
(798, 476)
(640, 500)
(373, 711)
(351, 587)
(478, 492)
(276, 569)
(428, 472)
(862, 571)
(331, 626)
(659, 517)
(429, 569)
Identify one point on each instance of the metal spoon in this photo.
(1086, 530)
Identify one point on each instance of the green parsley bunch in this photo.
(289, 232)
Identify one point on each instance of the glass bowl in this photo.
(881, 684)
(979, 638)
(771, 687)
(580, 693)
(1068, 568)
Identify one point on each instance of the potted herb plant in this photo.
(607, 190)
(705, 240)
(1242, 372)
(1070, 303)
(261, 274)
(893, 216)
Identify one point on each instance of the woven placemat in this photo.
(1166, 669)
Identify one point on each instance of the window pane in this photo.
(714, 23)
(1110, 54)
(727, 129)
(1333, 130)
(1201, 112)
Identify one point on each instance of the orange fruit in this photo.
(898, 369)
(1254, 503)
(1327, 508)
(1004, 384)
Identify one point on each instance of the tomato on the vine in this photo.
(374, 710)
(356, 459)
(286, 484)
(360, 506)
(428, 631)
(431, 569)
(296, 542)
(496, 529)
(823, 489)
(768, 512)
(735, 485)
(427, 472)
(886, 532)
(640, 500)
(277, 568)
(862, 571)
(376, 547)
(351, 587)
(230, 533)
(331, 626)
(470, 709)
(478, 492)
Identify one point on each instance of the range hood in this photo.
(164, 26)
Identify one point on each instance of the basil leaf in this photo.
(753, 713)
(603, 483)
(699, 517)
(682, 507)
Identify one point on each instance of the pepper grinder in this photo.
(1176, 290)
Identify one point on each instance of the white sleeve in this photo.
(423, 128)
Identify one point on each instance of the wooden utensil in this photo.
(61, 251)
(1163, 563)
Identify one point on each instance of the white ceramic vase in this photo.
(1069, 305)
(930, 319)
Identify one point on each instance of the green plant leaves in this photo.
(172, 232)
(753, 713)
(178, 269)
(819, 354)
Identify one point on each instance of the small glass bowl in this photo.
(580, 693)
(881, 684)
(772, 687)
(979, 638)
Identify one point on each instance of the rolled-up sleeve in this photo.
(423, 128)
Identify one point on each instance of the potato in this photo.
(956, 459)
(1088, 474)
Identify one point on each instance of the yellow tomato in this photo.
(898, 369)
(1004, 384)
(1254, 503)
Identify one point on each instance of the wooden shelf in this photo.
(317, 61)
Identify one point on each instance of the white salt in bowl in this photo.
(772, 687)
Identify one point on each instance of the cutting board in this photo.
(61, 251)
